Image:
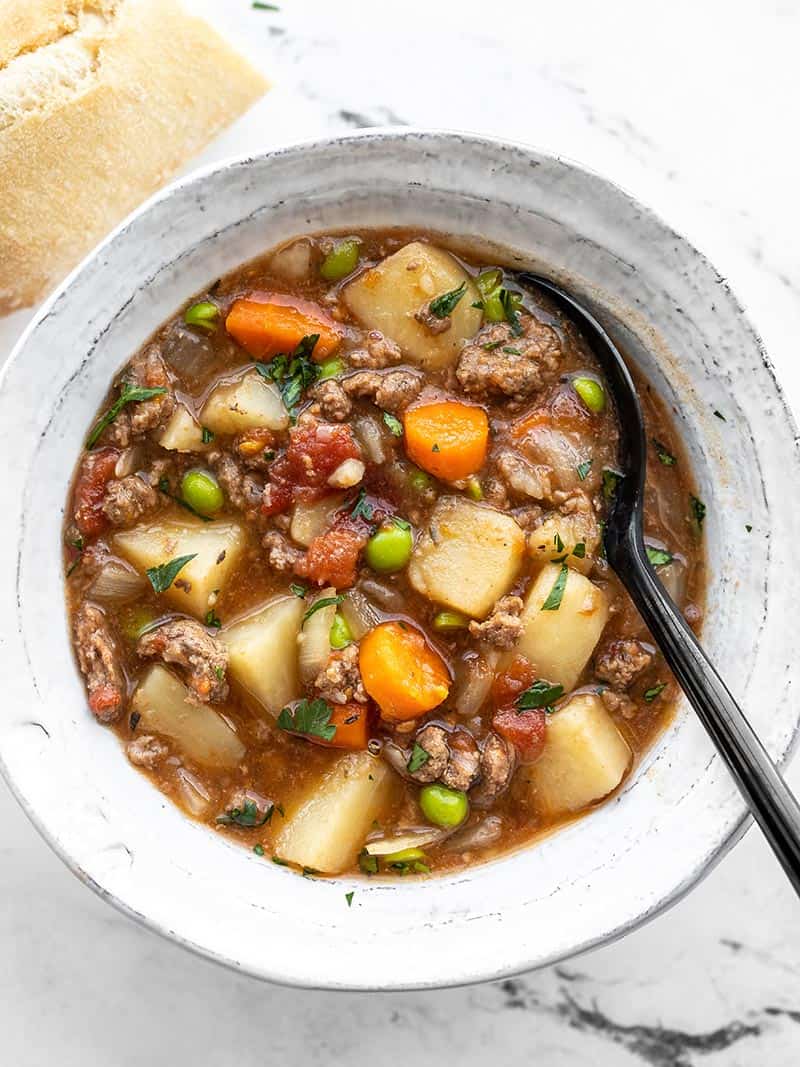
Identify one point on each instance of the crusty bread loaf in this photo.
(101, 101)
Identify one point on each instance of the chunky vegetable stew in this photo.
(334, 561)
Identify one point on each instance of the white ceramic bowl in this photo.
(580, 887)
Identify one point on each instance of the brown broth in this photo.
(279, 768)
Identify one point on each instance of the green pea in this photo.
(419, 481)
(591, 393)
(445, 621)
(330, 368)
(201, 491)
(341, 634)
(405, 855)
(474, 488)
(443, 806)
(340, 261)
(389, 549)
(204, 315)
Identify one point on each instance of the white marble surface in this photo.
(691, 107)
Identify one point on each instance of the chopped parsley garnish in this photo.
(542, 694)
(511, 303)
(444, 305)
(611, 480)
(579, 551)
(720, 415)
(279, 861)
(212, 619)
(419, 757)
(553, 601)
(258, 849)
(659, 557)
(362, 508)
(259, 5)
(651, 694)
(558, 543)
(247, 816)
(664, 456)
(294, 373)
(489, 346)
(129, 394)
(309, 872)
(435, 448)
(698, 512)
(162, 577)
(583, 469)
(206, 435)
(220, 672)
(367, 863)
(323, 602)
(748, 527)
(511, 351)
(298, 589)
(349, 898)
(394, 424)
(310, 717)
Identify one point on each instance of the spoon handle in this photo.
(770, 799)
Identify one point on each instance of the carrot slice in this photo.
(352, 727)
(402, 674)
(447, 439)
(265, 328)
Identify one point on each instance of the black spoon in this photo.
(769, 798)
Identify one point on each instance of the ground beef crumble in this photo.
(339, 682)
(621, 662)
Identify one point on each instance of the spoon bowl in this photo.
(770, 800)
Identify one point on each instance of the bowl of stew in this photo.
(316, 663)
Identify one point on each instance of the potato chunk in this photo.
(310, 520)
(389, 295)
(216, 546)
(468, 557)
(199, 732)
(182, 433)
(585, 758)
(327, 830)
(560, 535)
(262, 651)
(247, 404)
(561, 641)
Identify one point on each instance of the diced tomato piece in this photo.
(96, 470)
(524, 729)
(104, 698)
(515, 679)
(332, 556)
(352, 727)
(315, 451)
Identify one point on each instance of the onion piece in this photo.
(294, 261)
(314, 639)
(386, 596)
(347, 474)
(474, 677)
(417, 838)
(370, 437)
(193, 793)
(129, 461)
(117, 582)
(359, 614)
(479, 835)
